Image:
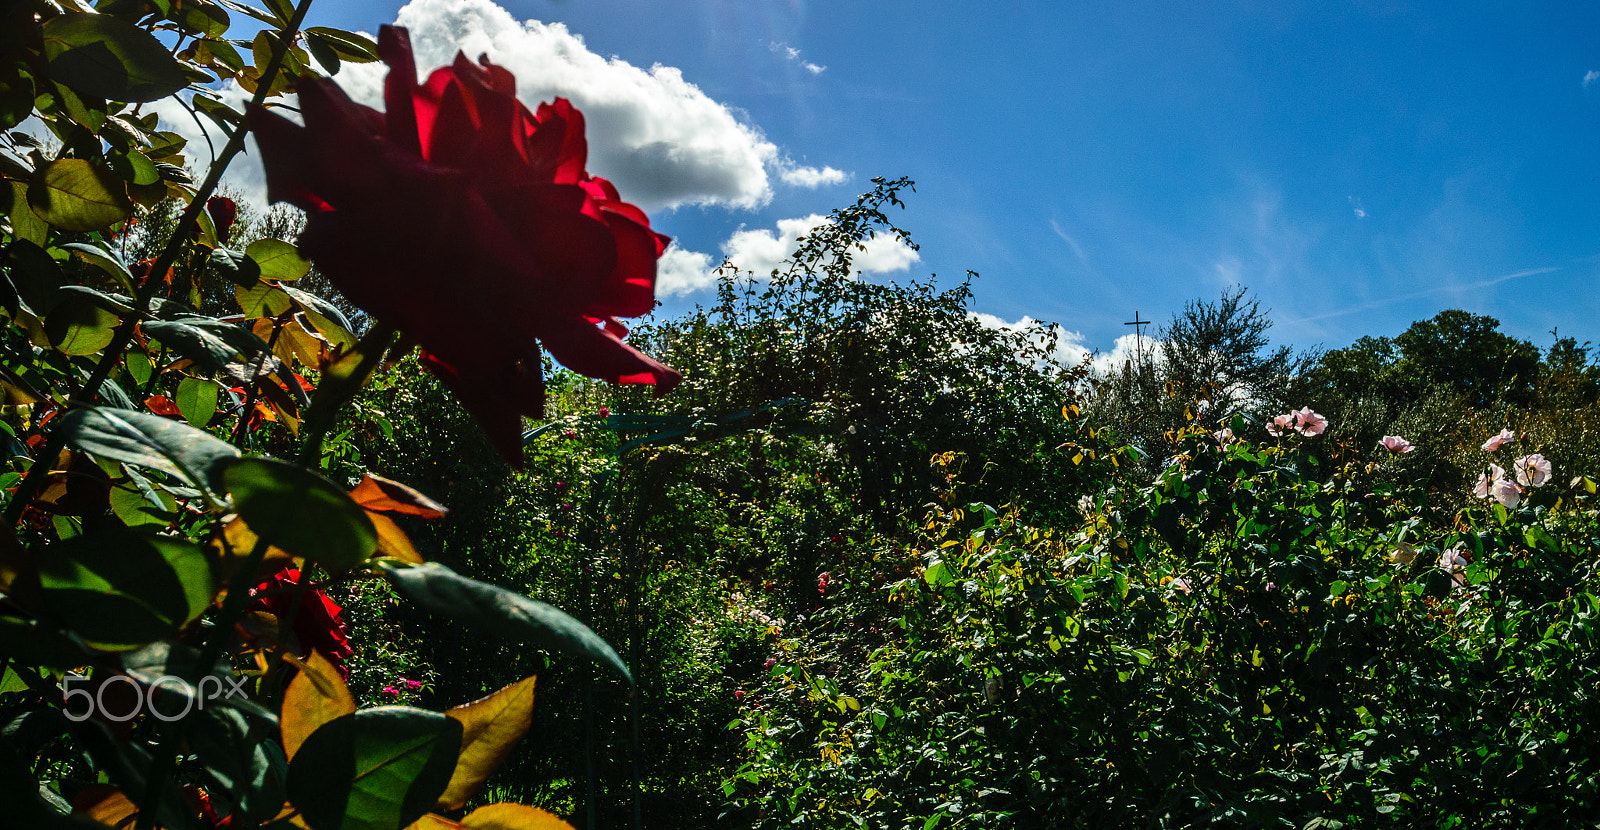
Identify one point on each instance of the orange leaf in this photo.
(163, 405)
(315, 696)
(489, 729)
(392, 541)
(105, 804)
(513, 817)
(433, 821)
(385, 496)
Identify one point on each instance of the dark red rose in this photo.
(317, 624)
(223, 211)
(470, 224)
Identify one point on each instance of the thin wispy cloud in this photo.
(1426, 292)
(1077, 249)
(1355, 205)
(793, 54)
(1590, 77)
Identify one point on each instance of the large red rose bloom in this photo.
(470, 224)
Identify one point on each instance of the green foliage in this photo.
(1235, 643)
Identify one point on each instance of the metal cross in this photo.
(1138, 342)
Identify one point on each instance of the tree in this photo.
(1212, 361)
(1468, 351)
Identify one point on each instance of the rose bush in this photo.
(470, 224)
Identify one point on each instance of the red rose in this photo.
(470, 224)
(317, 624)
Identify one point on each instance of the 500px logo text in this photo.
(144, 697)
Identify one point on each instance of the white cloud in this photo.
(1355, 205)
(761, 251)
(1077, 249)
(244, 175)
(1071, 348)
(681, 272)
(810, 177)
(1590, 77)
(661, 139)
(793, 54)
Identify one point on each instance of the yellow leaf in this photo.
(105, 804)
(315, 696)
(513, 817)
(392, 541)
(239, 540)
(431, 821)
(489, 729)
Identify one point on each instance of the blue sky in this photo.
(1358, 166)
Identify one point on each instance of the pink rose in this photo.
(1309, 423)
(1532, 470)
(1506, 436)
(1396, 444)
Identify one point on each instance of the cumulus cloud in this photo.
(681, 272)
(662, 140)
(1071, 347)
(761, 251)
(793, 54)
(810, 177)
(1590, 77)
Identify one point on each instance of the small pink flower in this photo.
(1396, 444)
(1506, 436)
(1281, 425)
(391, 691)
(1485, 485)
(738, 696)
(1224, 436)
(411, 685)
(1532, 470)
(769, 664)
(1181, 584)
(822, 583)
(561, 487)
(1507, 492)
(1309, 423)
(605, 412)
(569, 434)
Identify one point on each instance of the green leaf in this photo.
(79, 327)
(237, 267)
(241, 767)
(277, 259)
(323, 50)
(478, 604)
(301, 512)
(25, 224)
(347, 45)
(203, 347)
(376, 769)
(106, 261)
(202, 18)
(145, 440)
(197, 400)
(135, 509)
(77, 195)
(124, 589)
(110, 58)
(33, 644)
(264, 300)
